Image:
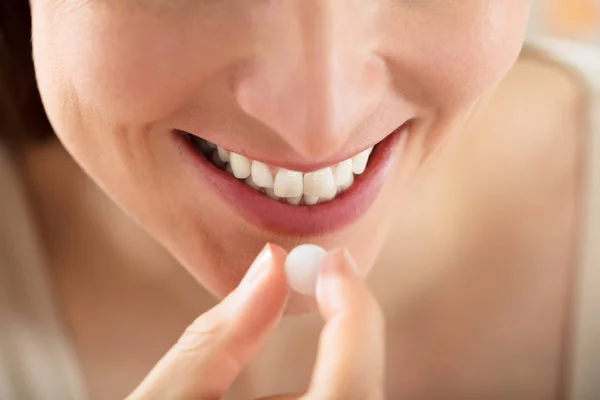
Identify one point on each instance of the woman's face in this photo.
(300, 85)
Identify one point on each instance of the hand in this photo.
(217, 346)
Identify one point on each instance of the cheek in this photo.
(130, 67)
(457, 54)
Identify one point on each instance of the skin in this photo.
(94, 61)
(117, 76)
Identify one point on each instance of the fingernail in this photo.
(352, 265)
(343, 263)
(337, 267)
(259, 267)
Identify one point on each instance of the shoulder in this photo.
(532, 136)
(552, 97)
(539, 117)
(556, 97)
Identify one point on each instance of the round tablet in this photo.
(302, 268)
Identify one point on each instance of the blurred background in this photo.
(568, 19)
(570, 28)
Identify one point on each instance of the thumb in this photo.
(351, 359)
(218, 344)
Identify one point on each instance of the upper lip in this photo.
(298, 165)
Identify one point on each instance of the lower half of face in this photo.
(220, 127)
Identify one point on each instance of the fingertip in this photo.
(279, 254)
(273, 279)
(267, 266)
(276, 277)
(337, 276)
(342, 257)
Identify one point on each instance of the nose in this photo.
(314, 77)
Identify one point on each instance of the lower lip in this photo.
(302, 220)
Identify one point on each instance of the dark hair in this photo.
(22, 116)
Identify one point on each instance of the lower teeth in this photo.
(221, 159)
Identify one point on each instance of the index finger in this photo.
(350, 362)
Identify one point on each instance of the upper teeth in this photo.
(287, 183)
(294, 187)
(319, 183)
(261, 175)
(359, 161)
(240, 166)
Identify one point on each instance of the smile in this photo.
(280, 184)
(289, 201)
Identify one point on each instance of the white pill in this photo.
(302, 268)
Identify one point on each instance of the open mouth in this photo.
(293, 202)
(280, 184)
